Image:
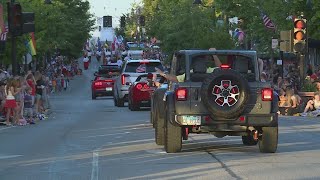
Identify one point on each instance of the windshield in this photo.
(136, 56)
(108, 69)
(202, 65)
(137, 67)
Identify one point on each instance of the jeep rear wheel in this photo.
(225, 93)
(159, 129)
(269, 140)
(249, 141)
(173, 137)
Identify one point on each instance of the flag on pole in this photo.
(32, 44)
(267, 21)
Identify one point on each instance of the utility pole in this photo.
(14, 49)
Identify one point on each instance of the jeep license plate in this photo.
(191, 120)
(109, 89)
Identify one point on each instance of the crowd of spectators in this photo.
(25, 98)
(287, 84)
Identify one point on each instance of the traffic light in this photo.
(107, 21)
(15, 21)
(28, 22)
(142, 20)
(299, 34)
(123, 21)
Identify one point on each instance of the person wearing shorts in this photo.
(39, 90)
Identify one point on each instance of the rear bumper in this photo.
(103, 92)
(146, 103)
(257, 120)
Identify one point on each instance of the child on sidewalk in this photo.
(28, 105)
(10, 104)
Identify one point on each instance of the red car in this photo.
(140, 93)
(103, 83)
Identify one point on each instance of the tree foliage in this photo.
(180, 25)
(63, 25)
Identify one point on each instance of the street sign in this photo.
(279, 62)
(29, 59)
(275, 43)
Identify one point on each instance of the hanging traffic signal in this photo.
(15, 20)
(107, 21)
(28, 22)
(123, 21)
(142, 20)
(299, 34)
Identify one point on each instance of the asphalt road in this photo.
(92, 139)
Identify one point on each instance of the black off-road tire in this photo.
(173, 137)
(215, 78)
(249, 141)
(159, 129)
(269, 140)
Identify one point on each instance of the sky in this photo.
(114, 8)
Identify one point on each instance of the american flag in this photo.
(141, 69)
(267, 21)
(3, 36)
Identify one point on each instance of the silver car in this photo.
(129, 73)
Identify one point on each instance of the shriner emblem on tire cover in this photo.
(226, 93)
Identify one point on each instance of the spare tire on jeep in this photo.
(225, 93)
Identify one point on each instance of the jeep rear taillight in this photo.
(267, 94)
(181, 94)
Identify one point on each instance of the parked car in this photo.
(130, 72)
(140, 92)
(103, 83)
(229, 100)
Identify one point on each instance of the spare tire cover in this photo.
(225, 93)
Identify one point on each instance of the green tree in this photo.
(180, 25)
(64, 25)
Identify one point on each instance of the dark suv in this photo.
(229, 100)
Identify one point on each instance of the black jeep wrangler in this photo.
(229, 100)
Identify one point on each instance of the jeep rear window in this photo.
(137, 67)
(204, 64)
